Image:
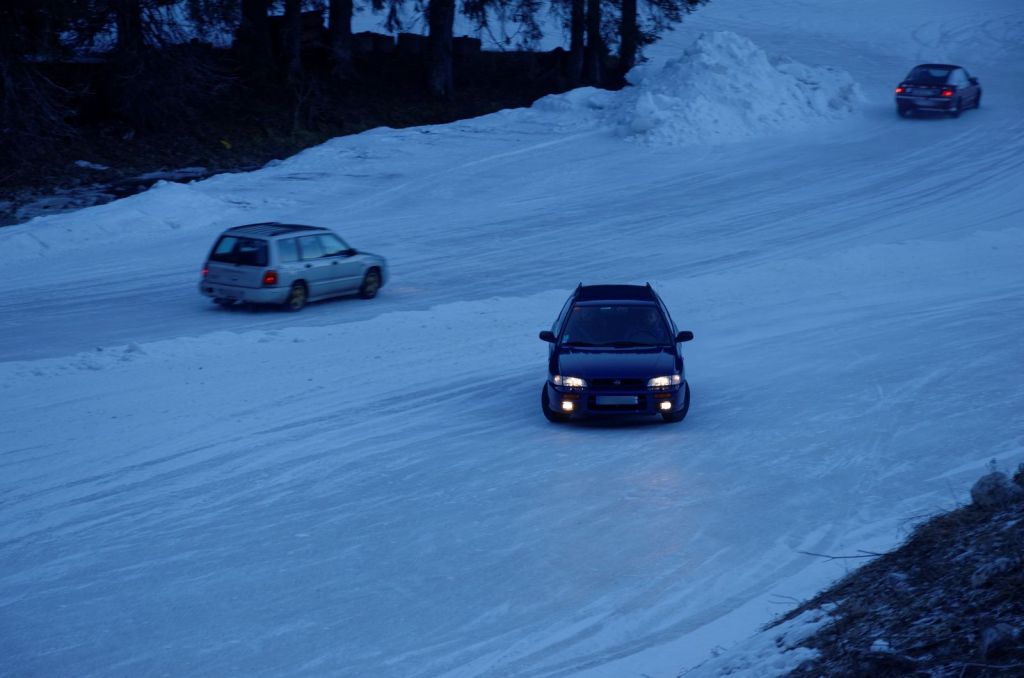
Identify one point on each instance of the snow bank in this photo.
(774, 652)
(723, 88)
(167, 206)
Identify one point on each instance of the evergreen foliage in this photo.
(162, 61)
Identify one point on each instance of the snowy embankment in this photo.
(368, 488)
(722, 88)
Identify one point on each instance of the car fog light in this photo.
(666, 405)
(567, 406)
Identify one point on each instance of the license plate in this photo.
(617, 400)
(226, 294)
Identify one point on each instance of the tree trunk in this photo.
(441, 17)
(254, 38)
(577, 29)
(293, 38)
(340, 18)
(628, 34)
(593, 62)
(128, 15)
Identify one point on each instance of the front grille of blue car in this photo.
(618, 384)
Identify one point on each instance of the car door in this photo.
(559, 323)
(289, 264)
(345, 268)
(971, 86)
(315, 267)
(965, 94)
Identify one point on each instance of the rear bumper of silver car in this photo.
(253, 295)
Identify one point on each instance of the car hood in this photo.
(372, 256)
(615, 363)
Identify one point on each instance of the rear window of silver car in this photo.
(231, 249)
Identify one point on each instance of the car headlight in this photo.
(664, 382)
(569, 382)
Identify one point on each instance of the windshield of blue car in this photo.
(929, 75)
(619, 326)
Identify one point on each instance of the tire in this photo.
(676, 417)
(545, 405)
(958, 109)
(977, 101)
(903, 111)
(371, 284)
(298, 295)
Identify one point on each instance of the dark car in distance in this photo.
(614, 350)
(937, 88)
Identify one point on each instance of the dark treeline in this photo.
(146, 68)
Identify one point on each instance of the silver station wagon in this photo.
(288, 264)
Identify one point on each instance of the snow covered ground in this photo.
(369, 488)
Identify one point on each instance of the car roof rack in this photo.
(272, 228)
(615, 292)
(261, 223)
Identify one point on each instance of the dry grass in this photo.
(949, 602)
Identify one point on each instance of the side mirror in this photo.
(548, 336)
(350, 252)
(685, 335)
(974, 81)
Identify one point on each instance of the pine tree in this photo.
(441, 19)
(293, 39)
(339, 19)
(254, 38)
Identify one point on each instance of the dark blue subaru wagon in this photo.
(614, 350)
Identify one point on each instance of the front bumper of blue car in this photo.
(598, 402)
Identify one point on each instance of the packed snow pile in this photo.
(726, 88)
(723, 88)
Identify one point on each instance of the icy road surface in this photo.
(369, 488)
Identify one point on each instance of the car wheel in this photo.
(371, 284)
(977, 101)
(675, 417)
(549, 414)
(225, 303)
(297, 297)
(903, 111)
(957, 109)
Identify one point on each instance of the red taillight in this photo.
(270, 278)
(947, 92)
(206, 271)
(900, 90)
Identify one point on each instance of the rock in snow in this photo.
(994, 491)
